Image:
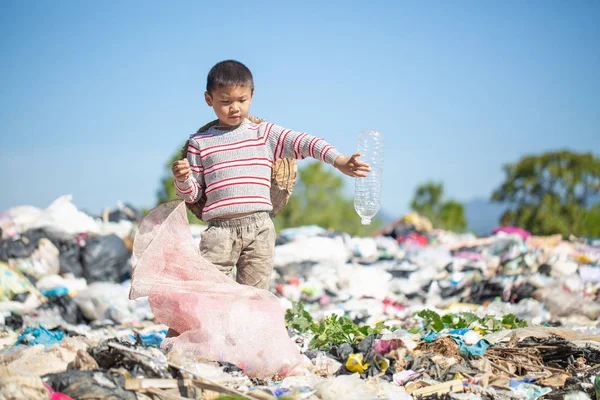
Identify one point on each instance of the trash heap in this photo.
(411, 312)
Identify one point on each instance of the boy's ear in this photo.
(208, 99)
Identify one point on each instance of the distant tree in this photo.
(317, 199)
(449, 214)
(552, 193)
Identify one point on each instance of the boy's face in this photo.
(231, 103)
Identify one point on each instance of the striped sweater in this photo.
(233, 168)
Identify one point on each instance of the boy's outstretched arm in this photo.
(286, 143)
(189, 174)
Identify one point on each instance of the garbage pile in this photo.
(411, 312)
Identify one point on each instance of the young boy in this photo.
(231, 164)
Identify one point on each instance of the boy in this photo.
(231, 164)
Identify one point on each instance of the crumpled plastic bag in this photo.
(217, 318)
(351, 387)
(563, 304)
(329, 251)
(106, 300)
(12, 282)
(62, 215)
(17, 220)
(42, 262)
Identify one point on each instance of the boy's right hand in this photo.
(181, 170)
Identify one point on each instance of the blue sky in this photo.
(96, 96)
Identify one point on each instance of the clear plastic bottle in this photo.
(367, 191)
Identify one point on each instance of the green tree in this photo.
(317, 199)
(552, 193)
(449, 214)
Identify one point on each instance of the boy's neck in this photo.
(223, 127)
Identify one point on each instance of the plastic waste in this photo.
(51, 282)
(393, 341)
(530, 391)
(41, 335)
(359, 281)
(148, 362)
(351, 387)
(91, 385)
(562, 303)
(63, 308)
(106, 300)
(364, 247)
(64, 216)
(329, 251)
(105, 258)
(402, 377)
(324, 365)
(152, 338)
(56, 395)
(577, 395)
(42, 262)
(302, 232)
(17, 220)
(356, 363)
(367, 196)
(12, 282)
(477, 349)
(56, 292)
(589, 273)
(217, 318)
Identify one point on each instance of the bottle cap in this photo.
(366, 221)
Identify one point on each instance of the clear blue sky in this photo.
(96, 96)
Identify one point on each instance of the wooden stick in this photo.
(543, 367)
(501, 368)
(455, 386)
(142, 384)
(165, 395)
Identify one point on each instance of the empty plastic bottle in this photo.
(367, 191)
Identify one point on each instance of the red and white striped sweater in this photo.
(233, 168)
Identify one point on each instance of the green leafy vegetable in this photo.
(332, 330)
(432, 321)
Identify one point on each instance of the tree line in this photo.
(554, 192)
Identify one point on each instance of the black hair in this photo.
(229, 73)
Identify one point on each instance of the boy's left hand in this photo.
(352, 166)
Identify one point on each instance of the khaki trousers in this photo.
(247, 243)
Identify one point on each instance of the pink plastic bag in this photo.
(217, 318)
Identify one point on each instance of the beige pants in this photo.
(247, 243)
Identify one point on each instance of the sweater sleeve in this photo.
(285, 143)
(192, 188)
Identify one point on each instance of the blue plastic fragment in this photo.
(32, 336)
(55, 292)
(153, 338)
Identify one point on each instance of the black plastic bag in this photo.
(17, 248)
(90, 385)
(105, 259)
(126, 212)
(70, 251)
(67, 307)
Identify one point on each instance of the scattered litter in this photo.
(411, 312)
